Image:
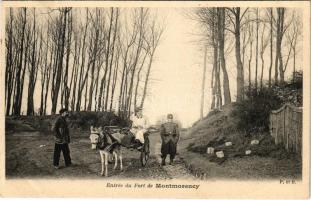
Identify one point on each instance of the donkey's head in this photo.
(95, 137)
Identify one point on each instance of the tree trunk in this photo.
(85, 94)
(59, 63)
(65, 85)
(112, 56)
(18, 95)
(271, 46)
(138, 80)
(294, 64)
(114, 80)
(32, 71)
(281, 33)
(9, 78)
(256, 70)
(262, 51)
(203, 85)
(82, 76)
(240, 71)
(277, 52)
(249, 67)
(146, 81)
(94, 55)
(221, 38)
(215, 58)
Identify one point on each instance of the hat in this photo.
(169, 116)
(61, 111)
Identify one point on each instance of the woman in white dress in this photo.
(140, 125)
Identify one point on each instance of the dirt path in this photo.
(29, 155)
(175, 171)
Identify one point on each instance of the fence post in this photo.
(288, 128)
(276, 130)
(296, 134)
(290, 119)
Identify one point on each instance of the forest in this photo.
(83, 59)
(265, 43)
(100, 59)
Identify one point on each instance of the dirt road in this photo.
(29, 155)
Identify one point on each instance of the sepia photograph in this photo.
(197, 94)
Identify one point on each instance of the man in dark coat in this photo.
(170, 138)
(62, 139)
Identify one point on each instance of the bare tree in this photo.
(36, 58)
(141, 21)
(10, 69)
(271, 46)
(257, 30)
(19, 70)
(138, 80)
(236, 21)
(79, 61)
(65, 92)
(153, 41)
(112, 53)
(58, 65)
(128, 43)
(101, 99)
(83, 73)
(115, 73)
(281, 28)
(221, 40)
(94, 52)
(293, 37)
(208, 19)
(263, 46)
(203, 84)
(250, 30)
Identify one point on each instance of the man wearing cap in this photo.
(140, 126)
(170, 137)
(62, 139)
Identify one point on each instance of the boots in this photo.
(171, 161)
(163, 162)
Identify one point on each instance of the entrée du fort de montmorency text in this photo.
(157, 185)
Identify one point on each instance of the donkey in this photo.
(107, 145)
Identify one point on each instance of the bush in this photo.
(85, 119)
(253, 113)
(297, 79)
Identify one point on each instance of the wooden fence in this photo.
(286, 127)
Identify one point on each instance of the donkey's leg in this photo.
(102, 159)
(106, 156)
(115, 155)
(111, 156)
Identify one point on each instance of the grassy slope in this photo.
(267, 160)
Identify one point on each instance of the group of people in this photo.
(169, 133)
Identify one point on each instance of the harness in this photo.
(106, 142)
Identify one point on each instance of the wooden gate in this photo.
(286, 127)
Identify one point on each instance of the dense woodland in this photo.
(264, 41)
(93, 59)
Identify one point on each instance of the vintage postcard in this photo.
(162, 99)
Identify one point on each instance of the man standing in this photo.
(170, 137)
(62, 139)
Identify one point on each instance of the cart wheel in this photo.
(145, 152)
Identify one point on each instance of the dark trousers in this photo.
(168, 148)
(66, 153)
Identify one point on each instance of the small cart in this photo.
(144, 150)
